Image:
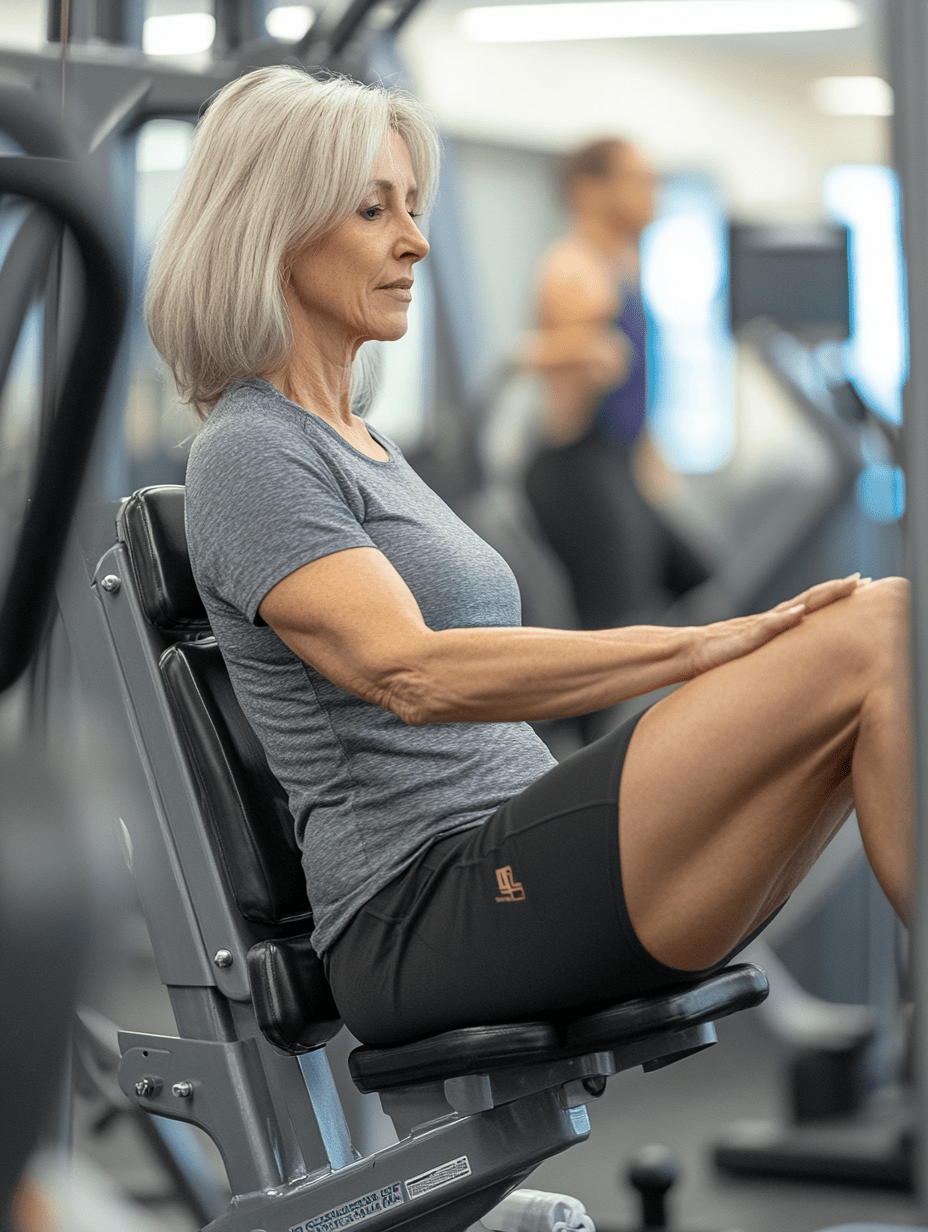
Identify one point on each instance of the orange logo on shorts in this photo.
(510, 891)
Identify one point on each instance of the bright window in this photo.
(684, 278)
(866, 199)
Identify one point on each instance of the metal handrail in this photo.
(21, 277)
(59, 186)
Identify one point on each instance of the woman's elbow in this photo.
(415, 700)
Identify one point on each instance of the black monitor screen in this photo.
(794, 275)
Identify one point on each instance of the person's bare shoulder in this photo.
(574, 285)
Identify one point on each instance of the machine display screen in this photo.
(794, 275)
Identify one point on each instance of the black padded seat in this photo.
(467, 1050)
(471, 1050)
(677, 1008)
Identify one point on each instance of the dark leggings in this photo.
(517, 918)
(626, 565)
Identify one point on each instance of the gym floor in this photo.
(685, 1107)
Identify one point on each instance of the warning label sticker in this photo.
(444, 1174)
(355, 1211)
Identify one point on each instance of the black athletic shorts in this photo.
(518, 918)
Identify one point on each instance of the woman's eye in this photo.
(371, 211)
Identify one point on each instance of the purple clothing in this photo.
(622, 411)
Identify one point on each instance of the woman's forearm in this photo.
(501, 675)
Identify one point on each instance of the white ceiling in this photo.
(741, 109)
(22, 23)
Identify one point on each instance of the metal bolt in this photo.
(223, 958)
(111, 583)
(183, 1090)
(148, 1087)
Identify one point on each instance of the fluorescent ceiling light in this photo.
(178, 34)
(289, 21)
(855, 96)
(529, 23)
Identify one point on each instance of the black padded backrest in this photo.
(151, 524)
(245, 806)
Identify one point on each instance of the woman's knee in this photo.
(882, 609)
(871, 627)
(894, 593)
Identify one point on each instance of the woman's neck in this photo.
(319, 381)
(317, 372)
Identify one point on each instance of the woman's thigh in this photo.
(735, 783)
(523, 916)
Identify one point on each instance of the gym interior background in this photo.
(777, 409)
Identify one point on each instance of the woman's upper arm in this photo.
(574, 290)
(577, 304)
(351, 616)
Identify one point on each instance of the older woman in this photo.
(458, 875)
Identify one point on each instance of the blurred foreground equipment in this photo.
(43, 888)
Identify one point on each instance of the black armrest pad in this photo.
(292, 999)
(668, 1009)
(469, 1050)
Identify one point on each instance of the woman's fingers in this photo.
(730, 639)
(824, 593)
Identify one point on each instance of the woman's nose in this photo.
(414, 242)
(415, 249)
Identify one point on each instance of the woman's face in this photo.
(356, 283)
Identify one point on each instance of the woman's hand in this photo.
(730, 639)
(825, 592)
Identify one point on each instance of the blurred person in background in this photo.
(585, 484)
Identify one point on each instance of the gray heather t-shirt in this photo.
(271, 487)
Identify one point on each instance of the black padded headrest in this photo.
(151, 524)
(245, 806)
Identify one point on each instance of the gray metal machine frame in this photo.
(907, 39)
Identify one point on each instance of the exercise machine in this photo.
(475, 1109)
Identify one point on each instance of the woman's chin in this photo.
(392, 331)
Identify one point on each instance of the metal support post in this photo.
(908, 60)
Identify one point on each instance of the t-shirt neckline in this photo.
(317, 419)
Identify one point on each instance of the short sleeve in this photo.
(262, 502)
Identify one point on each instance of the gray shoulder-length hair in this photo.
(279, 159)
